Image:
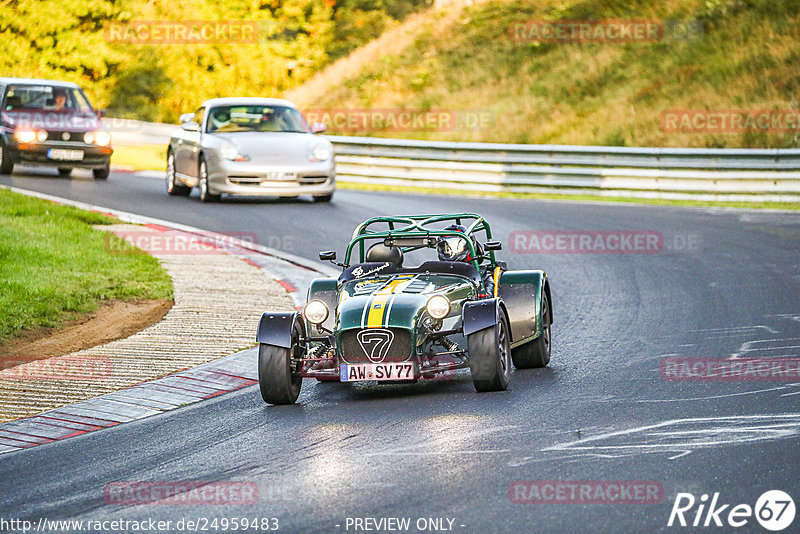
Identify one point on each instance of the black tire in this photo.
(490, 357)
(102, 174)
(535, 353)
(64, 171)
(202, 173)
(173, 187)
(6, 163)
(323, 198)
(280, 383)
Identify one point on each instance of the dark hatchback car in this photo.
(51, 123)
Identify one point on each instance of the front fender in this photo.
(275, 328)
(477, 315)
(522, 292)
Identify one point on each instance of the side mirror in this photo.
(493, 245)
(100, 113)
(190, 126)
(186, 117)
(318, 127)
(328, 255)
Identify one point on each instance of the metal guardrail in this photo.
(670, 173)
(716, 174)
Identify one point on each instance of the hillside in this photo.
(738, 56)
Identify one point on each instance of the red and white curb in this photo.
(182, 388)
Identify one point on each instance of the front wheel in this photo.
(535, 353)
(490, 357)
(64, 171)
(278, 373)
(102, 173)
(323, 198)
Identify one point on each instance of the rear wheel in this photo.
(6, 164)
(278, 377)
(173, 187)
(205, 193)
(535, 353)
(490, 357)
(64, 171)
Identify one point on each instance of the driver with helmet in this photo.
(455, 248)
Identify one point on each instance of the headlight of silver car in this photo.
(229, 151)
(321, 152)
(316, 312)
(438, 307)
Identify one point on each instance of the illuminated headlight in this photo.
(321, 152)
(26, 136)
(316, 312)
(98, 138)
(438, 307)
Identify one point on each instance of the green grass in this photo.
(576, 198)
(739, 55)
(54, 266)
(140, 157)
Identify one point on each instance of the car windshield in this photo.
(255, 119)
(46, 97)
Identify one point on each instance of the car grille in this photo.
(73, 137)
(245, 180)
(398, 351)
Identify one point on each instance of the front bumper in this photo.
(251, 179)
(94, 157)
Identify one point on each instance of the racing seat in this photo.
(381, 253)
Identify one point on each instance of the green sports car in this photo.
(384, 321)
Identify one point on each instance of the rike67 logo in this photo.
(774, 510)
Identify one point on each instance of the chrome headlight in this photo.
(41, 136)
(321, 152)
(438, 307)
(316, 312)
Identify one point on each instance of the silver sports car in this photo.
(250, 147)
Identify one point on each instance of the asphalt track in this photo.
(725, 284)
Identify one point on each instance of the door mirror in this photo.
(186, 117)
(100, 113)
(328, 255)
(493, 245)
(318, 127)
(190, 126)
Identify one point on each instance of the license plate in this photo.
(280, 176)
(65, 155)
(376, 371)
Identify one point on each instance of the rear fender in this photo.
(275, 328)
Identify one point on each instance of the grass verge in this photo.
(140, 157)
(577, 198)
(55, 266)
